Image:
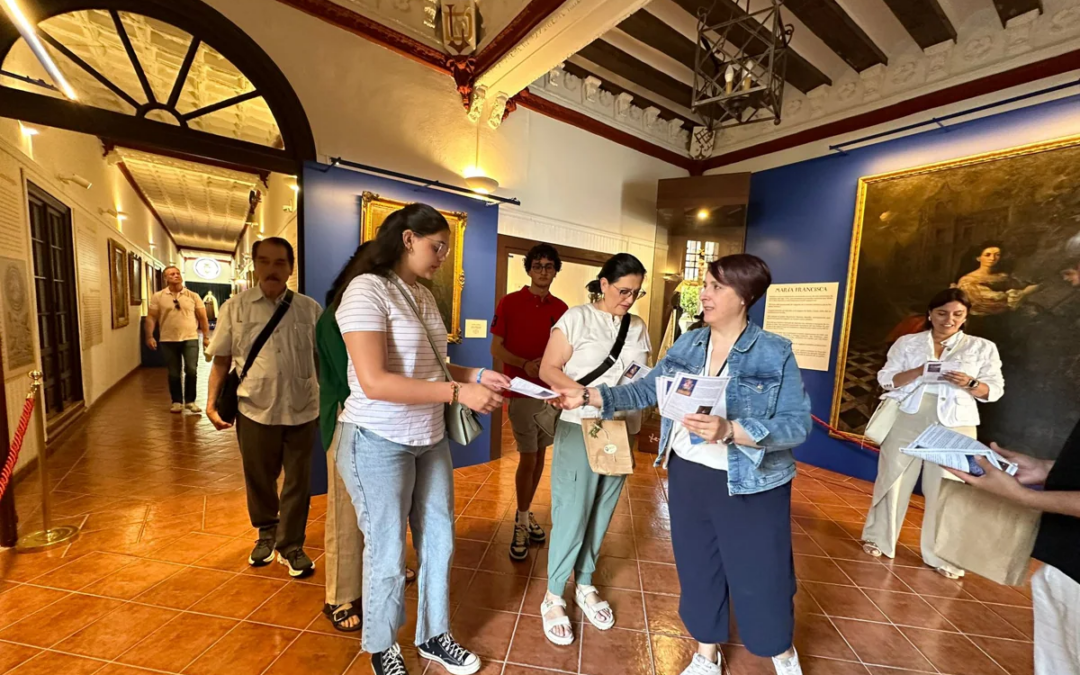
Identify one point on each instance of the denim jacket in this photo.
(765, 396)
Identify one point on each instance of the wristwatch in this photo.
(974, 383)
(585, 396)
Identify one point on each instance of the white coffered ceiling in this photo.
(203, 207)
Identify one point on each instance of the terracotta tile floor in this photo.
(158, 580)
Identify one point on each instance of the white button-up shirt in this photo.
(282, 386)
(977, 357)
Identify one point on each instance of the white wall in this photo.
(225, 273)
(370, 105)
(275, 216)
(40, 159)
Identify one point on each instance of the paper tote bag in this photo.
(882, 421)
(985, 534)
(607, 445)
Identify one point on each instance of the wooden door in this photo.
(57, 306)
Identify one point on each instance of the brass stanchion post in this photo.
(47, 536)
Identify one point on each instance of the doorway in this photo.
(53, 246)
(578, 268)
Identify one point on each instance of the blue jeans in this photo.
(392, 485)
(181, 359)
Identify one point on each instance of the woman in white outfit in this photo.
(971, 375)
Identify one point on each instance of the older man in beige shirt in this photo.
(278, 403)
(178, 314)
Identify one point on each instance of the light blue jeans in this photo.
(392, 485)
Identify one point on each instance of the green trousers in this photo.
(582, 503)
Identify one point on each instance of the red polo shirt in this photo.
(524, 321)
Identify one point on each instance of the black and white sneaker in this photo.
(519, 547)
(262, 554)
(298, 562)
(390, 662)
(445, 651)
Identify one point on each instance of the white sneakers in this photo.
(193, 408)
(176, 408)
(703, 666)
(788, 666)
(181, 407)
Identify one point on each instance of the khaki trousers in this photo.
(344, 543)
(897, 475)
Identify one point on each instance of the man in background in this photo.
(278, 403)
(179, 314)
(519, 336)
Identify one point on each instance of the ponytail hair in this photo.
(381, 254)
(616, 267)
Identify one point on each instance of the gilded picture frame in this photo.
(918, 231)
(450, 279)
(118, 284)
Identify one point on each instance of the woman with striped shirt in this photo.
(394, 457)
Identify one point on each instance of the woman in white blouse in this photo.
(582, 501)
(971, 373)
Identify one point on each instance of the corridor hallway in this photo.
(158, 580)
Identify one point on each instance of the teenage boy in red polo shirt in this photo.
(519, 335)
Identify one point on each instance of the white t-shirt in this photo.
(712, 455)
(591, 333)
(375, 304)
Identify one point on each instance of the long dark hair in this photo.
(943, 298)
(388, 246)
(347, 273)
(616, 267)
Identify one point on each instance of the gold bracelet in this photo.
(457, 389)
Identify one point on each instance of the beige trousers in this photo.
(344, 543)
(897, 475)
(1056, 598)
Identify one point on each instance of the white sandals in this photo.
(546, 606)
(592, 612)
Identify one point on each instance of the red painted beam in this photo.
(526, 99)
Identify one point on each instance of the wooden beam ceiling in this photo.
(924, 21)
(638, 100)
(1010, 9)
(828, 20)
(622, 64)
(801, 74)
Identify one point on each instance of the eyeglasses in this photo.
(542, 268)
(625, 293)
(441, 247)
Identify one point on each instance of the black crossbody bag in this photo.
(546, 418)
(228, 399)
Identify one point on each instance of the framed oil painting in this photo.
(135, 283)
(118, 284)
(1005, 228)
(449, 280)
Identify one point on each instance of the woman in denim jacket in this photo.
(735, 542)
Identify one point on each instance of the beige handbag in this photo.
(882, 421)
(985, 534)
(607, 445)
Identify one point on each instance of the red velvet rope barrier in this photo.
(16, 444)
(854, 439)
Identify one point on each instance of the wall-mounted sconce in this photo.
(119, 215)
(288, 208)
(703, 214)
(74, 178)
(28, 131)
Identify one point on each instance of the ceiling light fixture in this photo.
(27, 31)
(703, 214)
(74, 178)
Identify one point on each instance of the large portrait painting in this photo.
(449, 280)
(1005, 228)
(18, 318)
(135, 279)
(118, 284)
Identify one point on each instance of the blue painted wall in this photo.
(801, 215)
(332, 233)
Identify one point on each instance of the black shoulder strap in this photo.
(611, 358)
(267, 330)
